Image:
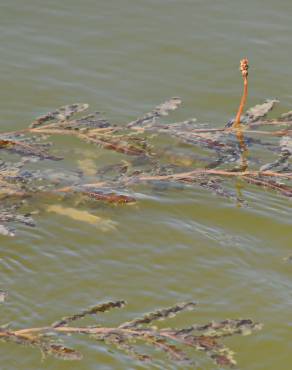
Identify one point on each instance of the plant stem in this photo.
(244, 72)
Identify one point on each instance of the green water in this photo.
(124, 57)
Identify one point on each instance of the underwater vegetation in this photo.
(229, 154)
(132, 336)
(31, 170)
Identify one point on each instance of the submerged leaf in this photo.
(87, 166)
(26, 148)
(173, 352)
(283, 189)
(83, 216)
(61, 352)
(121, 342)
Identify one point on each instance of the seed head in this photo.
(244, 67)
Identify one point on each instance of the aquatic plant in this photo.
(132, 336)
(228, 155)
(244, 72)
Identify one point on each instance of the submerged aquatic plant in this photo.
(228, 155)
(132, 336)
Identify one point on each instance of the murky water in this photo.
(124, 57)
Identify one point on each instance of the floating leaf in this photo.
(160, 110)
(61, 114)
(100, 308)
(162, 314)
(261, 110)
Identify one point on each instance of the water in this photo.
(124, 57)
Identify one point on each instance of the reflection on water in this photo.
(243, 150)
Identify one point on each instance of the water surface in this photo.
(124, 57)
